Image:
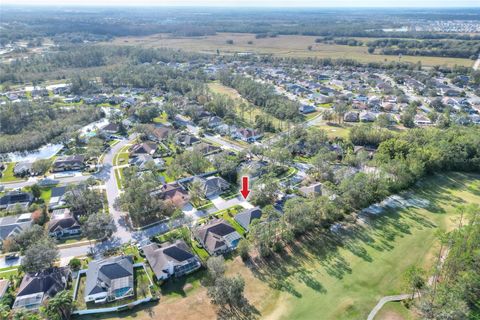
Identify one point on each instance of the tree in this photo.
(24, 314)
(36, 191)
(75, 264)
(383, 121)
(196, 191)
(84, 200)
(228, 294)
(265, 193)
(99, 226)
(59, 307)
(94, 148)
(340, 109)
(243, 249)
(216, 268)
(40, 255)
(24, 239)
(414, 278)
(41, 166)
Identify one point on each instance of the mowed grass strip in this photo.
(343, 277)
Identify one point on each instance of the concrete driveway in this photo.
(222, 204)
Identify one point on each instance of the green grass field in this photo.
(343, 278)
(282, 46)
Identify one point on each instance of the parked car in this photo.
(12, 256)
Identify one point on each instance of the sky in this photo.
(253, 3)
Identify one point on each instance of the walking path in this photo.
(476, 65)
(386, 299)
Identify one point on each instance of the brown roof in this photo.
(174, 193)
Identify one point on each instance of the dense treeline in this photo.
(438, 48)
(27, 126)
(75, 27)
(87, 56)
(455, 291)
(402, 160)
(262, 95)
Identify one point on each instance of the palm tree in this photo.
(60, 307)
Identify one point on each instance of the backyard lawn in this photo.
(8, 173)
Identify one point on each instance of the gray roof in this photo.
(246, 217)
(12, 225)
(160, 256)
(100, 273)
(36, 287)
(212, 234)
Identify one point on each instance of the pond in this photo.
(45, 152)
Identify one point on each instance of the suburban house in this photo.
(247, 135)
(161, 133)
(109, 279)
(23, 168)
(366, 116)
(38, 287)
(246, 217)
(212, 186)
(58, 197)
(141, 161)
(68, 163)
(351, 116)
(111, 128)
(171, 259)
(12, 225)
(186, 140)
(205, 148)
(214, 121)
(421, 120)
(305, 108)
(174, 193)
(16, 198)
(311, 190)
(143, 148)
(63, 224)
(217, 237)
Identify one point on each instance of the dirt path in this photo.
(476, 65)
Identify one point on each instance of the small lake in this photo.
(45, 152)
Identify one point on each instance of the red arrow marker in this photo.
(245, 191)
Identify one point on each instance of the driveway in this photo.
(222, 204)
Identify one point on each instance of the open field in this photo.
(247, 115)
(283, 46)
(341, 276)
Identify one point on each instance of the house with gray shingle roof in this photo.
(13, 225)
(217, 237)
(212, 186)
(40, 286)
(109, 279)
(171, 259)
(246, 217)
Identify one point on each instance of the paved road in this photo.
(33, 180)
